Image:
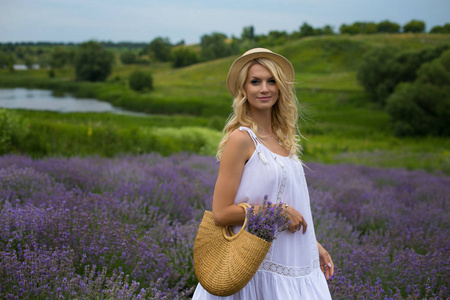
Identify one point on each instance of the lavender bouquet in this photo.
(268, 221)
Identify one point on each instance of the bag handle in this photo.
(227, 231)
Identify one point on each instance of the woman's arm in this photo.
(238, 150)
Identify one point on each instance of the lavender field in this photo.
(124, 227)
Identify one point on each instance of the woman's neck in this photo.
(264, 121)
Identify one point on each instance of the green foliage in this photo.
(275, 38)
(434, 73)
(4, 60)
(214, 46)
(128, 57)
(28, 60)
(159, 49)
(383, 68)
(306, 30)
(141, 81)
(12, 130)
(327, 30)
(61, 57)
(248, 33)
(388, 27)
(420, 109)
(359, 28)
(93, 62)
(414, 26)
(423, 107)
(108, 135)
(441, 29)
(183, 56)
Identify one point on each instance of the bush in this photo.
(434, 73)
(382, 69)
(128, 57)
(93, 62)
(441, 29)
(414, 26)
(388, 27)
(140, 81)
(214, 46)
(182, 57)
(359, 27)
(159, 49)
(12, 130)
(4, 60)
(423, 107)
(373, 73)
(420, 109)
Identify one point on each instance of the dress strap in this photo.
(252, 135)
(256, 141)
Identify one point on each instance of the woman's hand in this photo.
(296, 220)
(326, 264)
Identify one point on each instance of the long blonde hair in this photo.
(285, 111)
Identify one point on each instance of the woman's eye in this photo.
(254, 81)
(272, 81)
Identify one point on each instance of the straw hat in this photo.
(237, 65)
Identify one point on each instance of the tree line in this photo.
(212, 46)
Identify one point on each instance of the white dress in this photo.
(291, 268)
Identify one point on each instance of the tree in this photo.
(306, 30)
(388, 27)
(248, 33)
(29, 61)
(436, 72)
(140, 81)
(183, 56)
(420, 109)
(328, 30)
(370, 28)
(382, 69)
(128, 57)
(349, 29)
(4, 60)
(441, 29)
(60, 57)
(159, 48)
(414, 26)
(214, 46)
(93, 62)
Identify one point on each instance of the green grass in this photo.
(341, 125)
(51, 133)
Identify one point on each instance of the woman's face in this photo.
(261, 88)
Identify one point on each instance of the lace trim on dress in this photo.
(282, 186)
(289, 271)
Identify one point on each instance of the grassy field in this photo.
(340, 124)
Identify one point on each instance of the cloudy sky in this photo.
(143, 20)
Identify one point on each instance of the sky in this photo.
(143, 20)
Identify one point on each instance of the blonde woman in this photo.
(258, 156)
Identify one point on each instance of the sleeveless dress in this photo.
(291, 268)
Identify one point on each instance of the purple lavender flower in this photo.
(268, 221)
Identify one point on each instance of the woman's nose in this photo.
(264, 87)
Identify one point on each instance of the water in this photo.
(32, 99)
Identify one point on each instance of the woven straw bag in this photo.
(224, 263)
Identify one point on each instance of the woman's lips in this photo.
(264, 98)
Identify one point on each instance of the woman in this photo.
(258, 156)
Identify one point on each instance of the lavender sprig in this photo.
(268, 221)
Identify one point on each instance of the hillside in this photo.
(340, 124)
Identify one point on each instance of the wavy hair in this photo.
(285, 111)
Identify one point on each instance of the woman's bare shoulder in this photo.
(241, 143)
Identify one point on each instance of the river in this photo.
(34, 99)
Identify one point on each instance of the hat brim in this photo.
(240, 62)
